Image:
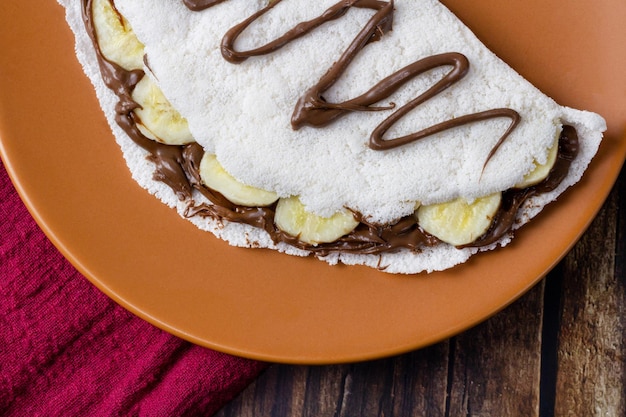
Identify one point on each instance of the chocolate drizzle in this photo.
(198, 5)
(312, 109)
(178, 165)
(301, 29)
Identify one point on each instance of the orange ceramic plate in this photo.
(258, 303)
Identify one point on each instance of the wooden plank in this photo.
(492, 369)
(497, 365)
(592, 363)
(411, 384)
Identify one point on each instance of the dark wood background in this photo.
(559, 350)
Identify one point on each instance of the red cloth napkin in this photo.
(68, 350)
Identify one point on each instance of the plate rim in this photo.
(615, 145)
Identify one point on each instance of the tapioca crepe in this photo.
(366, 132)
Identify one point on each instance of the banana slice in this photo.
(215, 177)
(541, 172)
(459, 222)
(158, 120)
(116, 39)
(292, 218)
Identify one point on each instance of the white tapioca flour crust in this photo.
(241, 112)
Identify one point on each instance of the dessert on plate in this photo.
(372, 132)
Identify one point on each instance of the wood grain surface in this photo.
(557, 351)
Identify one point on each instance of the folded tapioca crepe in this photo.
(363, 132)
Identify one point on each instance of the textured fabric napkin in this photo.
(68, 350)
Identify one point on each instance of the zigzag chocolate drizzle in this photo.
(312, 109)
(301, 29)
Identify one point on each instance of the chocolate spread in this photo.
(178, 165)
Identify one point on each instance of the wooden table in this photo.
(559, 350)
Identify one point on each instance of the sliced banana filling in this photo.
(157, 118)
(459, 222)
(215, 177)
(116, 39)
(293, 218)
(541, 171)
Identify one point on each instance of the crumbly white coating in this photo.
(242, 112)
